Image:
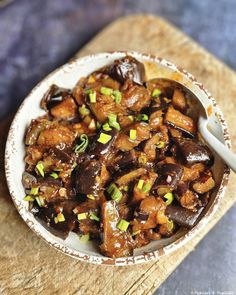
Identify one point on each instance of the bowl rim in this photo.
(164, 250)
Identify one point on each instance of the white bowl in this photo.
(67, 76)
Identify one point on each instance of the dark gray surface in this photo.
(36, 36)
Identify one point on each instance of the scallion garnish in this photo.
(34, 191)
(146, 187)
(83, 110)
(82, 216)
(28, 198)
(106, 91)
(156, 92)
(113, 121)
(92, 97)
(140, 184)
(54, 175)
(123, 225)
(75, 210)
(87, 91)
(104, 138)
(115, 193)
(117, 96)
(80, 148)
(91, 197)
(169, 198)
(60, 217)
(40, 168)
(94, 217)
(84, 238)
(133, 134)
(40, 201)
(160, 144)
(131, 118)
(142, 117)
(106, 127)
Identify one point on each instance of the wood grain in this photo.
(27, 264)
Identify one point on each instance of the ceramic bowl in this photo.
(66, 76)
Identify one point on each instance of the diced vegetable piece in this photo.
(177, 119)
(40, 168)
(140, 184)
(133, 134)
(82, 216)
(94, 217)
(123, 225)
(60, 217)
(204, 184)
(92, 97)
(34, 191)
(113, 121)
(28, 198)
(169, 198)
(84, 111)
(91, 197)
(54, 175)
(106, 127)
(127, 178)
(84, 238)
(156, 92)
(160, 144)
(117, 96)
(142, 117)
(80, 148)
(178, 100)
(106, 91)
(104, 138)
(115, 193)
(146, 187)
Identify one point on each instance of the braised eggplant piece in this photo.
(87, 177)
(194, 152)
(115, 242)
(127, 68)
(117, 160)
(169, 177)
(183, 216)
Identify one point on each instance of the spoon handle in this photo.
(222, 151)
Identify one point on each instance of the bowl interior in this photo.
(67, 76)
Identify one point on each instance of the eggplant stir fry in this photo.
(117, 159)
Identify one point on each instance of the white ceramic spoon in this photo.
(223, 152)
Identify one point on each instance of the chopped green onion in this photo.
(74, 165)
(160, 144)
(75, 210)
(40, 168)
(84, 238)
(60, 217)
(113, 121)
(92, 97)
(123, 225)
(116, 195)
(54, 175)
(136, 232)
(126, 188)
(133, 134)
(91, 197)
(117, 96)
(83, 110)
(58, 169)
(82, 216)
(146, 187)
(94, 217)
(106, 127)
(55, 220)
(28, 199)
(106, 91)
(40, 201)
(87, 91)
(104, 138)
(111, 188)
(34, 191)
(140, 184)
(169, 198)
(156, 92)
(80, 148)
(170, 225)
(142, 117)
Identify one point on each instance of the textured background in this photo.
(36, 36)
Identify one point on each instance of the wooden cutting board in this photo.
(27, 264)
